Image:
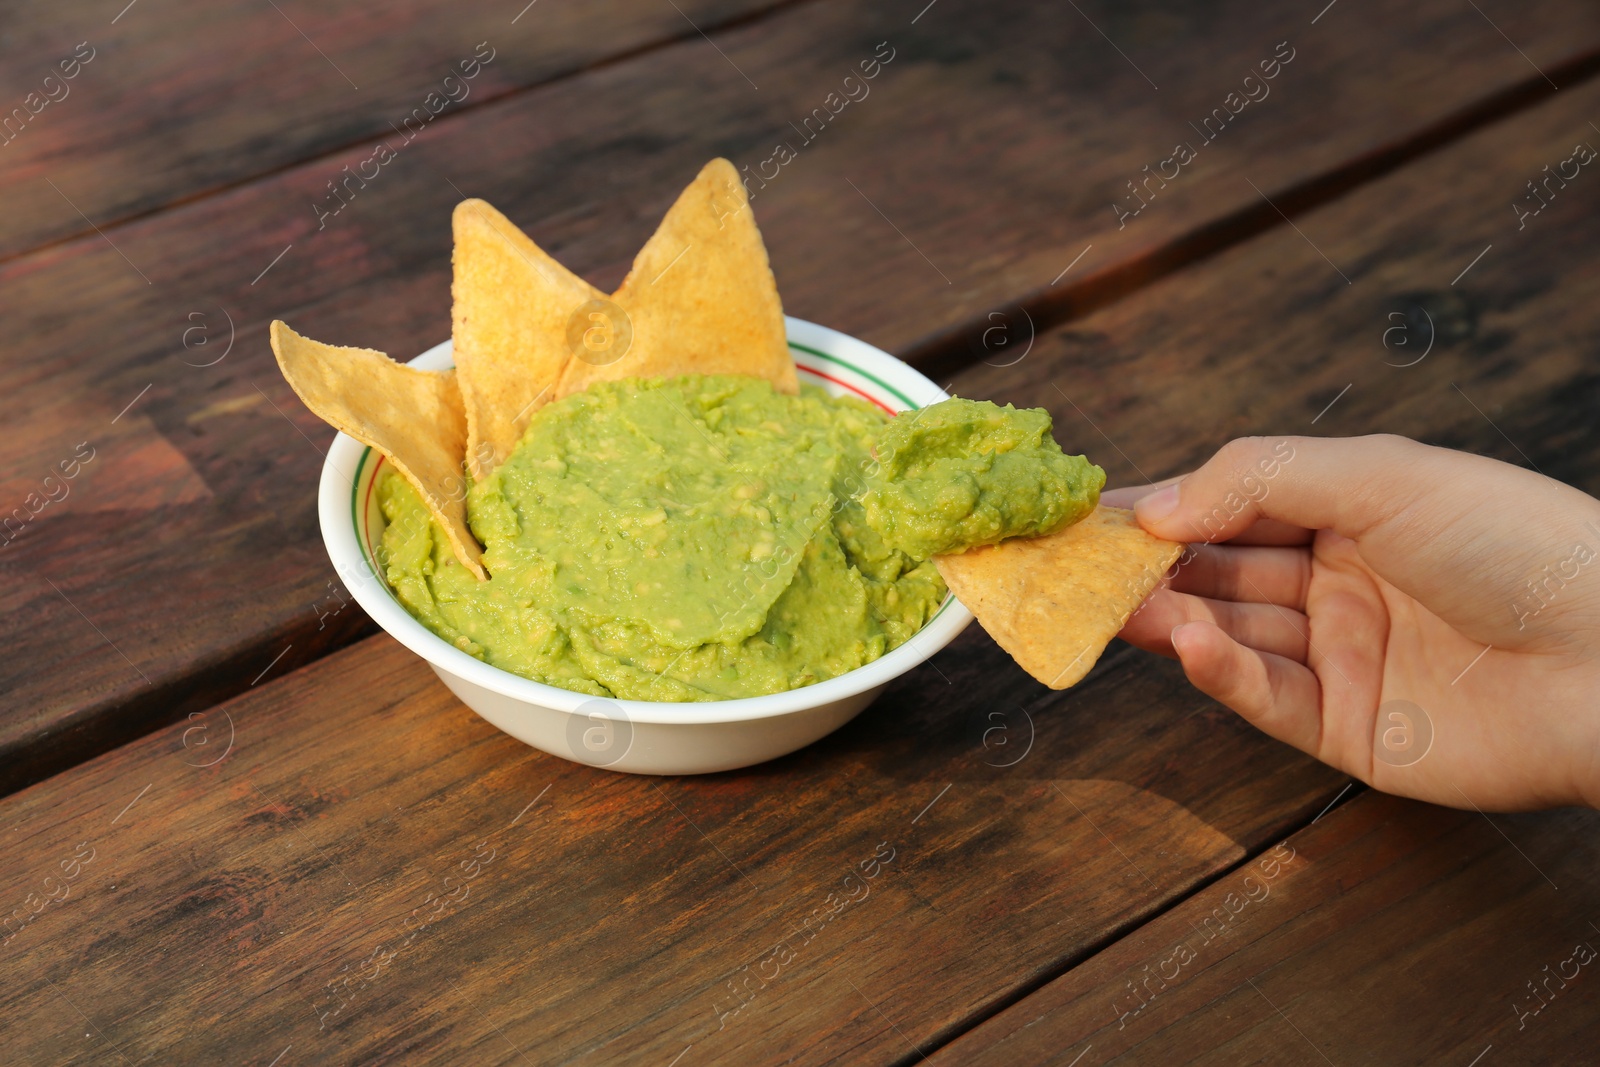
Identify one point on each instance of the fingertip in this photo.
(1125, 497)
(1128, 495)
(1150, 627)
(1212, 661)
(1151, 510)
(1191, 640)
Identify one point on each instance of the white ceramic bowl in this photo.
(642, 737)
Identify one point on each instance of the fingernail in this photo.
(1180, 636)
(1158, 505)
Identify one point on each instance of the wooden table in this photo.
(241, 825)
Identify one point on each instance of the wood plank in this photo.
(1389, 932)
(295, 888)
(1323, 328)
(187, 561)
(171, 99)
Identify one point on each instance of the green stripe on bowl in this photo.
(355, 515)
(906, 400)
(355, 522)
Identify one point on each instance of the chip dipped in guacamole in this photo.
(707, 537)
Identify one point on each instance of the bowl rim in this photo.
(340, 519)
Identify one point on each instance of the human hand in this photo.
(1328, 578)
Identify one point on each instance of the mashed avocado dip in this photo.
(706, 538)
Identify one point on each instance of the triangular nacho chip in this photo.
(1055, 602)
(412, 416)
(700, 299)
(511, 307)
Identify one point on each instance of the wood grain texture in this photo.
(180, 99)
(1389, 932)
(1375, 314)
(994, 141)
(348, 861)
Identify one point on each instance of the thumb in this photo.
(1346, 485)
(1459, 533)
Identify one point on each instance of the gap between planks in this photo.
(1350, 791)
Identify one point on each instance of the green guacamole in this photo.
(964, 473)
(705, 538)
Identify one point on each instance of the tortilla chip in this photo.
(509, 316)
(1055, 602)
(700, 299)
(412, 416)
